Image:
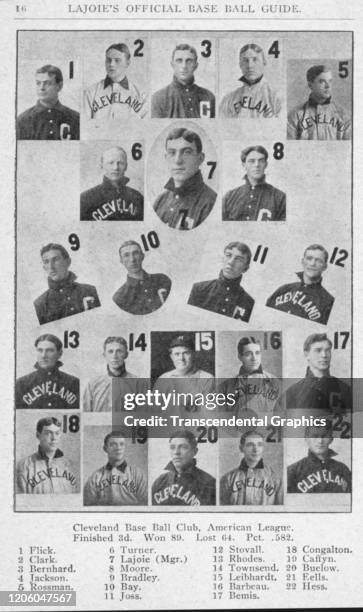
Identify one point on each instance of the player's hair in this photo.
(54, 246)
(47, 421)
(258, 148)
(245, 341)
(254, 47)
(186, 434)
(112, 149)
(121, 47)
(119, 433)
(320, 430)
(243, 249)
(188, 135)
(185, 47)
(52, 71)
(58, 343)
(117, 339)
(314, 71)
(129, 243)
(317, 247)
(310, 340)
(250, 432)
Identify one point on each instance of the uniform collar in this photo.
(188, 471)
(191, 185)
(66, 282)
(109, 185)
(134, 282)
(122, 372)
(41, 107)
(109, 82)
(260, 183)
(314, 459)
(243, 372)
(313, 102)
(46, 370)
(122, 467)
(310, 375)
(182, 85)
(244, 80)
(244, 467)
(229, 282)
(58, 453)
(316, 284)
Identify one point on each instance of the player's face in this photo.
(114, 164)
(49, 438)
(115, 449)
(234, 263)
(314, 264)
(251, 357)
(132, 257)
(321, 87)
(47, 88)
(116, 64)
(183, 159)
(319, 444)
(182, 358)
(184, 64)
(47, 354)
(255, 165)
(251, 64)
(115, 355)
(319, 356)
(55, 265)
(182, 453)
(253, 449)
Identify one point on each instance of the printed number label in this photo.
(140, 342)
(139, 45)
(207, 434)
(274, 49)
(74, 242)
(204, 341)
(260, 254)
(278, 150)
(70, 423)
(341, 339)
(139, 435)
(338, 257)
(273, 434)
(136, 151)
(71, 70)
(344, 427)
(343, 69)
(71, 339)
(207, 48)
(150, 240)
(273, 340)
(213, 166)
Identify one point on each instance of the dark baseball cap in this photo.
(183, 340)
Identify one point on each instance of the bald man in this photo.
(112, 200)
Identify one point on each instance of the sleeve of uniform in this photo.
(277, 104)
(88, 398)
(281, 206)
(291, 478)
(279, 496)
(156, 487)
(225, 206)
(40, 310)
(224, 491)
(94, 294)
(292, 123)
(90, 497)
(194, 298)
(271, 300)
(158, 106)
(21, 128)
(141, 488)
(88, 96)
(348, 130)
(21, 481)
(327, 310)
(225, 108)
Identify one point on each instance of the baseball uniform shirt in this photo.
(39, 474)
(313, 121)
(224, 296)
(251, 101)
(187, 206)
(261, 202)
(108, 101)
(106, 202)
(311, 302)
(47, 388)
(143, 296)
(314, 475)
(191, 487)
(42, 123)
(256, 392)
(122, 485)
(251, 486)
(183, 101)
(100, 392)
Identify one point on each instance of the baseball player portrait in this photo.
(225, 295)
(318, 472)
(255, 98)
(187, 200)
(182, 483)
(99, 394)
(114, 98)
(183, 98)
(253, 482)
(319, 390)
(142, 293)
(113, 199)
(320, 117)
(255, 200)
(64, 297)
(255, 389)
(118, 483)
(46, 470)
(306, 298)
(48, 119)
(47, 387)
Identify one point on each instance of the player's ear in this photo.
(201, 157)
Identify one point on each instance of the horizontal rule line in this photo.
(191, 17)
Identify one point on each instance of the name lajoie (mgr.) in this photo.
(192, 8)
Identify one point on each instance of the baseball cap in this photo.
(183, 340)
